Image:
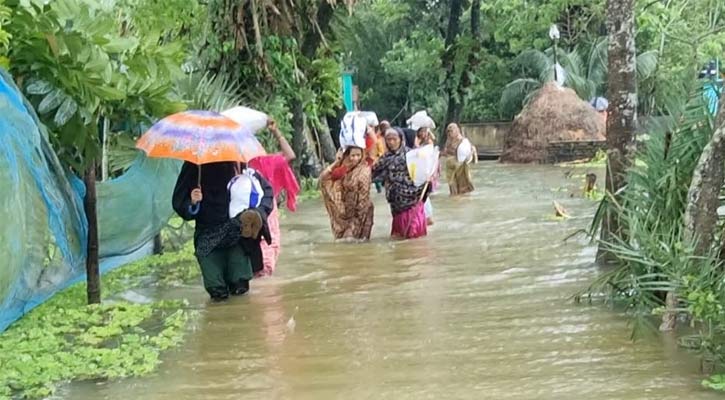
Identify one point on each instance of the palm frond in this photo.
(571, 61)
(581, 85)
(514, 95)
(209, 92)
(121, 154)
(597, 62)
(534, 61)
(654, 254)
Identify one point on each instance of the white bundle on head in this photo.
(370, 117)
(421, 120)
(249, 118)
(352, 131)
(245, 192)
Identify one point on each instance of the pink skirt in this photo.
(270, 252)
(411, 223)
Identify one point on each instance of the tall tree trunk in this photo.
(298, 139)
(311, 41)
(327, 145)
(473, 59)
(314, 35)
(448, 61)
(93, 277)
(622, 120)
(703, 196)
(158, 244)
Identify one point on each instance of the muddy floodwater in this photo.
(479, 309)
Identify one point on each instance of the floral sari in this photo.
(346, 194)
(404, 197)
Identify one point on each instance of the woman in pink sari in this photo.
(276, 170)
(405, 199)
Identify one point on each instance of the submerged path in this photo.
(477, 310)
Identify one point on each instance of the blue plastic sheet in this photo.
(44, 229)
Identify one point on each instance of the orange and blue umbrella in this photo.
(200, 137)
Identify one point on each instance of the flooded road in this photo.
(477, 310)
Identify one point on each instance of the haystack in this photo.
(554, 114)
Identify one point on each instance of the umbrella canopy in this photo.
(200, 137)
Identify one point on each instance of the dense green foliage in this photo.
(396, 46)
(655, 256)
(79, 61)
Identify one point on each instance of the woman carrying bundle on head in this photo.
(460, 154)
(404, 197)
(345, 187)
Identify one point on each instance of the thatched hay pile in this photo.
(554, 114)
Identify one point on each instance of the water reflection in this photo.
(478, 309)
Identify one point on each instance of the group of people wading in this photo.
(381, 159)
(237, 235)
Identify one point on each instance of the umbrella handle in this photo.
(194, 209)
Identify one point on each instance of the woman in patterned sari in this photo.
(405, 199)
(345, 187)
(457, 171)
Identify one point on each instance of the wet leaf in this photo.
(119, 45)
(109, 93)
(108, 73)
(97, 64)
(51, 101)
(39, 87)
(66, 111)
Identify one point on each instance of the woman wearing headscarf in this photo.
(276, 170)
(345, 187)
(226, 243)
(405, 199)
(460, 155)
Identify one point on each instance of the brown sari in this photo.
(458, 174)
(347, 201)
